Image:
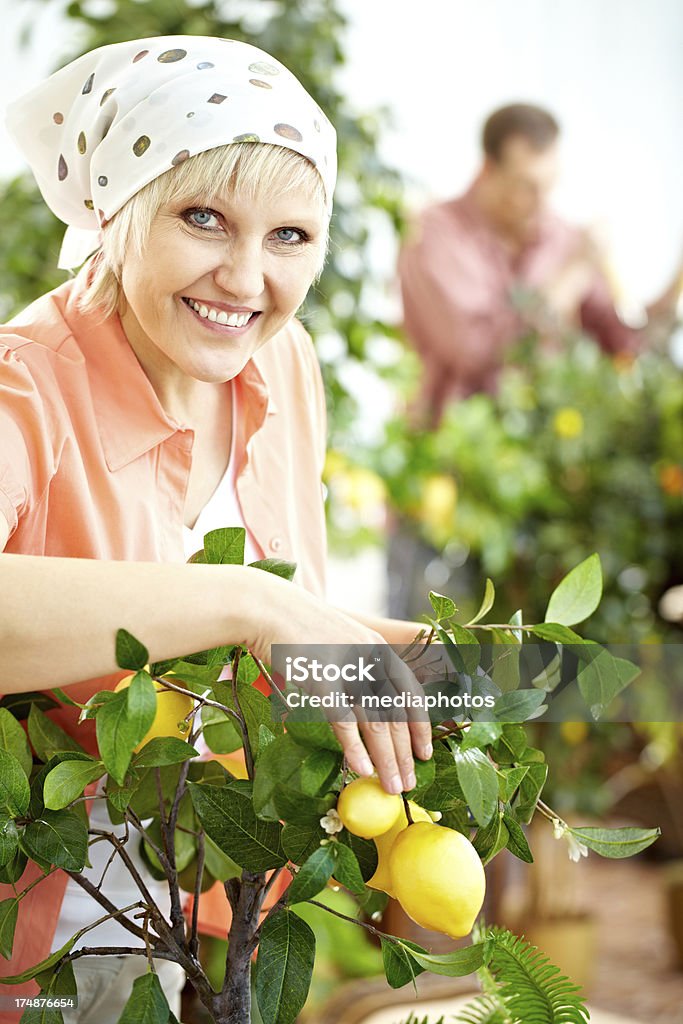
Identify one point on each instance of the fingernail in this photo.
(365, 766)
(395, 784)
(427, 751)
(410, 780)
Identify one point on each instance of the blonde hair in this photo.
(253, 169)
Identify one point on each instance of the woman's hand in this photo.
(291, 615)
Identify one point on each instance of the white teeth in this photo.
(220, 316)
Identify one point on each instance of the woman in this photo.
(169, 386)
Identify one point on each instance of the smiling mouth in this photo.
(219, 317)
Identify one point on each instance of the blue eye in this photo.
(287, 235)
(200, 218)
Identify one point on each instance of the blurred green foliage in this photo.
(308, 37)
(577, 452)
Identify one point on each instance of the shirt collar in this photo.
(130, 418)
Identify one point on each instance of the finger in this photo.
(403, 680)
(355, 753)
(380, 744)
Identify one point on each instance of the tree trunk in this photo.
(233, 1004)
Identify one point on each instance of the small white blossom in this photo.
(576, 849)
(331, 822)
(559, 828)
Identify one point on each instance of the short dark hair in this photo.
(534, 124)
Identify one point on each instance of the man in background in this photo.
(478, 271)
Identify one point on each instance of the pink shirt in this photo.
(91, 466)
(456, 278)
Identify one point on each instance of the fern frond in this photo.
(532, 989)
(486, 1009)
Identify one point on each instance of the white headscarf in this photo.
(107, 124)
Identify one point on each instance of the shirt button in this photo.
(276, 544)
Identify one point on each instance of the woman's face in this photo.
(214, 285)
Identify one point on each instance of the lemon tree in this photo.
(299, 813)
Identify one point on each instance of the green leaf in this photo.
(347, 869)
(517, 843)
(313, 734)
(229, 819)
(616, 843)
(443, 607)
(481, 734)
(54, 983)
(290, 806)
(299, 841)
(313, 875)
(19, 704)
(9, 911)
(491, 839)
(59, 838)
(454, 965)
(284, 967)
(518, 705)
(317, 771)
(529, 791)
(47, 737)
(577, 595)
(486, 604)
(147, 1003)
(275, 765)
(130, 653)
(12, 871)
(603, 677)
(44, 965)
(555, 633)
(364, 850)
(15, 792)
(479, 783)
(254, 707)
(9, 840)
(142, 705)
(218, 863)
(509, 780)
(225, 546)
(399, 965)
(287, 570)
(221, 732)
(164, 750)
(13, 740)
(468, 646)
(425, 773)
(68, 780)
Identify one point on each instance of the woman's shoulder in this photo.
(40, 333)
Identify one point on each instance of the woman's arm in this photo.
(394, 631)
(59, 617)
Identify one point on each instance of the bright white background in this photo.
(610, 70)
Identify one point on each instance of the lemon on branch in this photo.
(381, 878)
(437, 877)
(366, 809)
(171, 714)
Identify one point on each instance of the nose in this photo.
(240, 274)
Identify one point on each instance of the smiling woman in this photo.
(166, 387)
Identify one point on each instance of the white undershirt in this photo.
(78, 908)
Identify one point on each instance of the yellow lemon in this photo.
(438, 878)
(172, 710)
(366, 809)
(568, 422)
(381, 878)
